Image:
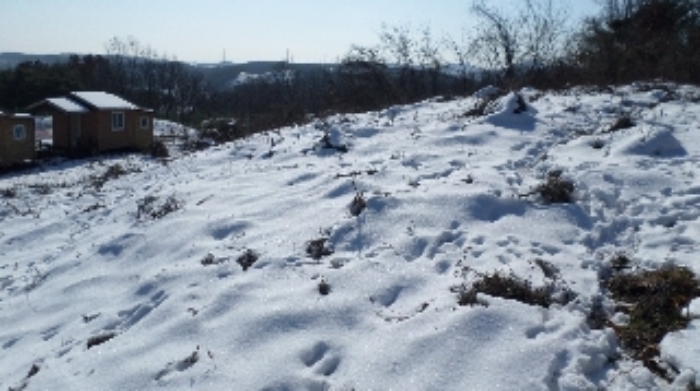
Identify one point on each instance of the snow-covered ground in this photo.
(102, 289)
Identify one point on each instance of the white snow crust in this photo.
(445, 199)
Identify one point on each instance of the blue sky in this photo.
(201, 30)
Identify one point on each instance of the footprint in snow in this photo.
(320, 359)
(131, 316)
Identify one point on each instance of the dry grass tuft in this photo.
(622, 122)
(248, 258)
(654, 301)
(318, 248)
(358, 205)
(506, 287)
(556, 189)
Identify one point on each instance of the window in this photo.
(144, 123)
(118, 120)
(19, 132)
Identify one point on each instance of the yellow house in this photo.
(96, 121)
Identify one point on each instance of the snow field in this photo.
(445, 198)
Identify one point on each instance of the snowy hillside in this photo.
(297, 261)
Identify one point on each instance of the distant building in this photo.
(16, 139)
(95, 121)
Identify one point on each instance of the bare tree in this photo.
(430, 59)
(460, 53)
(497, 40)
(543, 28)
(530, 36)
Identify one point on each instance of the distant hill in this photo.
(11, 60)
(224, 74)
(220, 74)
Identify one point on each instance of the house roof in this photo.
(84, 101)
(102, 100)
(66, 105)
(15, 115)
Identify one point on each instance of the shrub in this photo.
(221, 130)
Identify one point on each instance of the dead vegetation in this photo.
(151, 207)
(483, 105)
(358, 205)
(622, 122)
(479, 108)
(656, 302)
(208, 260)
(505, 286)
(324, 288)
(556, 189)
(318, 248)
(159, 150)
(113, 172)
(247, 259)
(9, 192)
(41, 188)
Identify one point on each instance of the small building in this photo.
(95, 121)
(16, 139)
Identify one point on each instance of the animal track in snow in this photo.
(11, 342)
(132, 316)
(49, 333)
(388, 296)
(318, 357)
